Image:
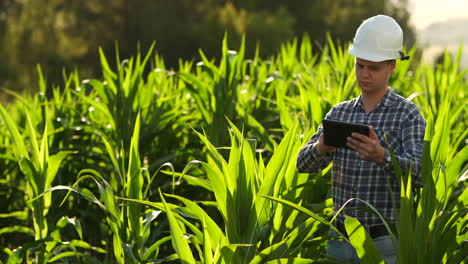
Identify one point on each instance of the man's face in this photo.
(373, 76)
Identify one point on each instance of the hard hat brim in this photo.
(370, 56)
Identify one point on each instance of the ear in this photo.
(392, 65)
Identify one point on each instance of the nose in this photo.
(364, 73)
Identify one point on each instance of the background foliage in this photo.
(66, 34)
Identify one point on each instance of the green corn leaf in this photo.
(301, 233)
(85, 193)
(15, 257)
(43, 157)
(112, 155)
(63, 255)
(406, 231)
(108, 199)
(293, 241)
(217, 177)
(106, 192)
(151, 179)
(216, 234)
(455, 165)
(53, 165)
(20, 215)
(37, 158)
(107, 70)
(86, 245)
(373, 210)
(187, 168)
(207, 248)
(155, 247)
(196, 181)
(99, 106)
(305, 211)
(265, 254)
(20, 150)
(134, 186)
(146, 231)
(276, 174)
(179, 242)
(197, 238)
(362, 242)
(19, 229)
(291, 261)
(227, 254)
(194, 85)
(119, 252)
(459, 256)
(27, 167)
(75, 222)
(129, 253)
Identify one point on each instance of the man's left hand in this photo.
(368, 148)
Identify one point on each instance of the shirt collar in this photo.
(388, 100)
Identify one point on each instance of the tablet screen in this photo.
(336, 132)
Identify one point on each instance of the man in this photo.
(365, 170)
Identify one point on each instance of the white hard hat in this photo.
(378, 38)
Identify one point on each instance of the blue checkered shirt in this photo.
(352, 177)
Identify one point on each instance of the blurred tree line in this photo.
(66, 34)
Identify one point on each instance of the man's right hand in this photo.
(323, 149)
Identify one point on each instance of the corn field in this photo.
(149, 165)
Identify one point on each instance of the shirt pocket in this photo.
(390, 139)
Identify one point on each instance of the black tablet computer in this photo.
(336, 132)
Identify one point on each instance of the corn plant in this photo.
(315, 85)
(130, 89)
(255, 229)
(217, 93)
(129, 224)
(39, 168)
(441, 94)
(432, 229)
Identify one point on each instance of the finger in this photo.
(356, 141)
(372, 133)
(321, 137)
(351, 142)
(360, 137)
(350, 145)
(354, 144)
(360, 146)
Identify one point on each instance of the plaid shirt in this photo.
(352, 177)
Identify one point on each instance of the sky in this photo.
(425, 12)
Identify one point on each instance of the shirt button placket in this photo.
(358, 165)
